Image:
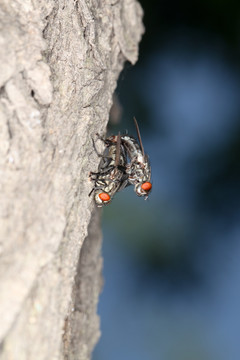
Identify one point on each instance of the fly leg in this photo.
(101, 173)
(98, 154)
(106, 142)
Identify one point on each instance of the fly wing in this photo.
(118, 148)
(139, 136)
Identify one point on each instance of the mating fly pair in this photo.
(115, 172)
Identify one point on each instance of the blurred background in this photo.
(172, 263)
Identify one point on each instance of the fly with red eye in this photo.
(138, 169)
(111, 176)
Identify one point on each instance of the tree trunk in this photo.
(60, 61)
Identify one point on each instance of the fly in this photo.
(138, 169)
(111, 176)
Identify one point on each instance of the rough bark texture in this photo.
(59, 63)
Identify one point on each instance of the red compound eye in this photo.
(104, 197)
(146, 186)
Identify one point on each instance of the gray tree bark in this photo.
(59, 63)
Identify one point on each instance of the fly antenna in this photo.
(118, 147)
(139, 136)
